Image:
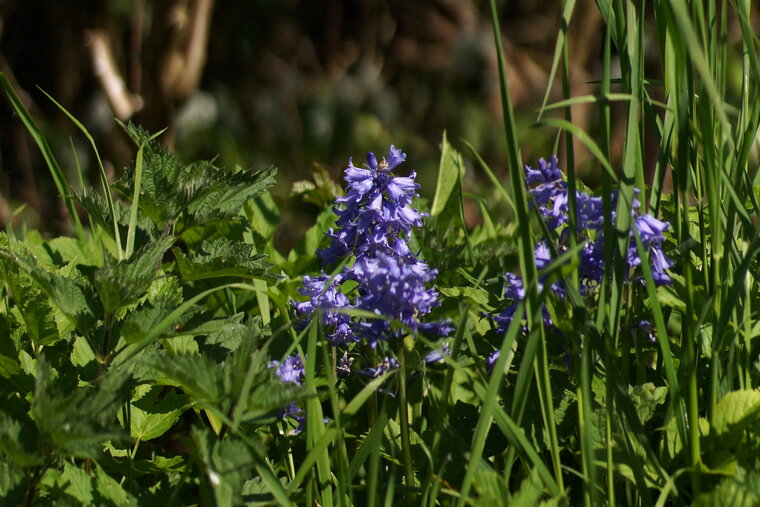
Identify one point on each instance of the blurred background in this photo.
(291, 83)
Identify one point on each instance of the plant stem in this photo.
(107, 322)
(406, 445)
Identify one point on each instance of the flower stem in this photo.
(406, 445)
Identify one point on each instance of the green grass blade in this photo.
(136, 196)
(102, 173)
(59, 178)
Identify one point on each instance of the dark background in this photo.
(286, 82)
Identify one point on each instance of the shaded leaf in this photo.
(735, 410)
(123, 283)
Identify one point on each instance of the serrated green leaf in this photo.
(76, 483)
(151, 417)
(107, 488)
(227, 464)
(223, 258)
(140, 322)
(160, 199)
(77, 422)
(35, 310)
(475, 295)
(198, 376)
(11, 483)
(19, 444)
(222, 194)
(122, 283)
(81, 353)
(645, 398)
(728, 492)
(735, 410)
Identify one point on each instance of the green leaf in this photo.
(450, 172)
(160, 198)
(736, 410)
(198, 376)
(139, 323)
(77, 422)
(81, 353)
(302, 258)
(645, 398)
(122, 283)
(223, 258)
(226, 465)
(35, 310)
(219, 194)
(107, 488)
(17, 444)
(474, 295)
(76, 483)
(151, 417)
(11, 483)
(263, 215)
(728, 492)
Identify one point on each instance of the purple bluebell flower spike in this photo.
(550, 194)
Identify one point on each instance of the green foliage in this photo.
(107, 352)
(151, 362)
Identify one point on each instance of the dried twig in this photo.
(123, 103)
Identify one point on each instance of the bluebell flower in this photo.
(381, 275)
(550, 194)
(492, 358)
(376, 209)
(291, 371)
(436, 355)
(388, 363)
(325, 297)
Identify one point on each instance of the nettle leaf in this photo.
(222, 193)
(198, 376)
(35, 310)
(226, 465)
(98, 210)
(109, 489)
(19, 444)
(74, 296)
(66, 288)
(138, 323)
(221, 258)
(11, 483)
(151, 415)
(159, 196)
(9, 363)
(228, 334)
(728, 492)
(122, 283)
(75, 482)
(165, 290)
(645, 398)
(77, 422)
(736, 410)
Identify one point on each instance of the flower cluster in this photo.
(374, 222)
(550, 194)
(380, 274)
(291, 371)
